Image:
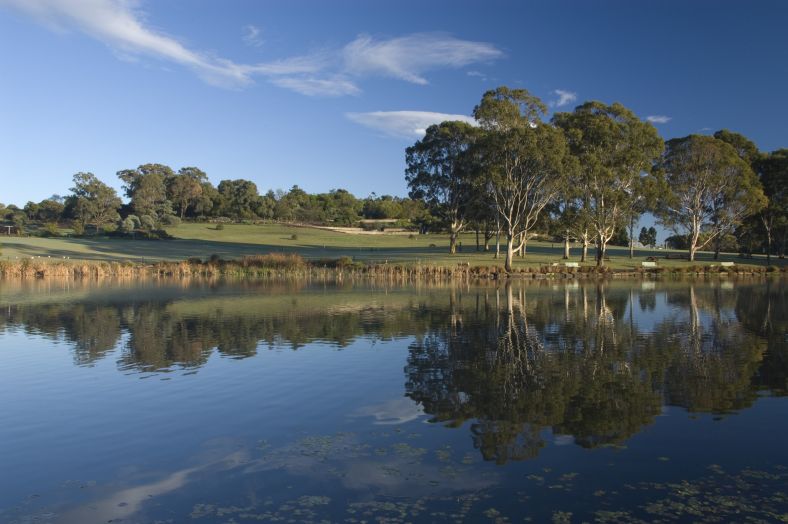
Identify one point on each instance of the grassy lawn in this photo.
(236, 240)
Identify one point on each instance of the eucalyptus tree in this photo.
(524, 160)
(186, 188)
(749, 152)
(93, 201)
(773, 171)
(146, 187)
(712, 189)
(440, 173)
(616, 152)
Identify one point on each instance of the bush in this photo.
(171, 221)
(275, 261)
(50, 230)
(219, 227)
(79, 229)
(147, 222)
(293, 237)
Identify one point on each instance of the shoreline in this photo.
(277, 265)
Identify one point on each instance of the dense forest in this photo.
(584, 176)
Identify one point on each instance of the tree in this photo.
(648, 237)
(239, 198)
(50, 210)
(186, 188)
(616, 152)
(440, 173)
(773, 170)
(711, 189)
(749, 152)
(523, 158)
(94, 201)
(146, 187)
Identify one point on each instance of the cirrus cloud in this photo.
(121, 25)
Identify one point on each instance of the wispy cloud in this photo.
(404, 124)
(251, 36)
(408, 57)
(477, 74)
(311, 86)
(658, 119)
(121, 24)
(564, 97)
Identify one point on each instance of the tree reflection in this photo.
(514, 364)
(582, 362)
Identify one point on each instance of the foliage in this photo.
(93, 202)
(711, 189)
(441, 173)
(648, 237)
(616, 152)
(524, 161)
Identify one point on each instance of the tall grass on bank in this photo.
(292, 265)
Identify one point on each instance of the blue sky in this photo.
(327, 94)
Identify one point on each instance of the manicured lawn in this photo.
(236, 240)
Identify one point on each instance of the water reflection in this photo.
(595, 361)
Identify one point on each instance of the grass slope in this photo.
(236, 240)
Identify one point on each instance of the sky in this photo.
(328, 94)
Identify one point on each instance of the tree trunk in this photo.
(717, 247)
(452, 242)
(498, 245)
(522, 245)
(566, 246)
(692, 250)
(601, 247)
(477, 238)
(631, 238)
(768, 229)
(509, 253)
(584, 256)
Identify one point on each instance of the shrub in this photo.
(50, 230)
(171, 220)
(293, 237)
(275, 261)
(219, 227)
(79, 228)
(147, 222)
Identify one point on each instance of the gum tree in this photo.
(94, 202)
(524, 161)
(616, 152)
(440, 173)
(711, 189)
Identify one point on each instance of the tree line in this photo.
(588, 174)
(158, 196)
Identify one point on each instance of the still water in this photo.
(301, 402)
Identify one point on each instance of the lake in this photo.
(243, 401)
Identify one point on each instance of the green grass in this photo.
(237, 240)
